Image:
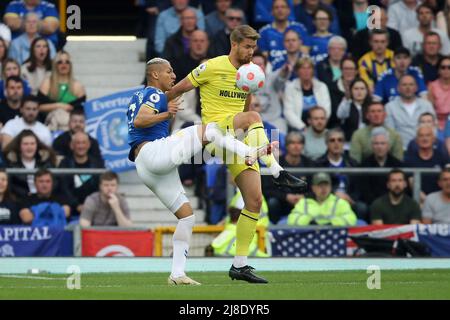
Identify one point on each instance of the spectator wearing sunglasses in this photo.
(344, 186)
(439, 92)
(216, 20)
(220, 42)
(60, 93)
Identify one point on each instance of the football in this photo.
(250, 78)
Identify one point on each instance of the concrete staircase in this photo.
(146, 208)
(106, 67)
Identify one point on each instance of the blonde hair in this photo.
(244, 32)
(303, 60)
(55, 78)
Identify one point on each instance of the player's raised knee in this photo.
(253, 117)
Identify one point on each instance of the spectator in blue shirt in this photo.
(20, 46)
(271, 41)
(304, 14)
(169, 22)
(293, 46)
(320, 39)
(15, 13)
(386, 87)
(263, 11)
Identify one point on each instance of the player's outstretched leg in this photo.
(212, 133)
(252, 122)
(181, 239)
(190, 141)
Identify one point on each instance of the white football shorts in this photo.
(157, 163)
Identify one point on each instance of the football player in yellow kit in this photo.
(225, 104)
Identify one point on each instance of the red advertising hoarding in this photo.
(109, 243)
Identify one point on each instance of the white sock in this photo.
(226, 141)
(181, 238)
(275, 169)
(240, 261)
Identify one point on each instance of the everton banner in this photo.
(107, 122)
(436, 237)
(110, 243)
(24, 241)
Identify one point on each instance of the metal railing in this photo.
(416, 172)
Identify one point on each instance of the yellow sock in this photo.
(256, 137)
(245, 231)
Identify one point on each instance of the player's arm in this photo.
(247, 103)
(181, 87)
(149, 116)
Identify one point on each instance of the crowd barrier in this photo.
(28, 241)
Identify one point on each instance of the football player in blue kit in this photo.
(158, 154)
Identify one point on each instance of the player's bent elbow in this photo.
(140, 124)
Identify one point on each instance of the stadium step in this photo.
(144, 217)
(140, 191)
(152, 202)
(106, 67)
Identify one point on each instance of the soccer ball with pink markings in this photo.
(250, 78)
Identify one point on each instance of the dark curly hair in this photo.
(43, 152)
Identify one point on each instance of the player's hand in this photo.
(173, 107)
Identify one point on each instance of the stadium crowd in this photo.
(338, 94)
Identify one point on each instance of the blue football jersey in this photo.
(272, 40)
(154, 99)
(386, 87)
(44, 10)
(319, 48)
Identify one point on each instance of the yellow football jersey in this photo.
(218, 92)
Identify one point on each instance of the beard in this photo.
(243, 59)
(397, 194)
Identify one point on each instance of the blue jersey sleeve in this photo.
(155, 100)
(421, 86)
(379, 90)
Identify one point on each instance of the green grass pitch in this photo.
(406, 284)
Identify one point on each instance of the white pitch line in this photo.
(59, 287)
(29, 277)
